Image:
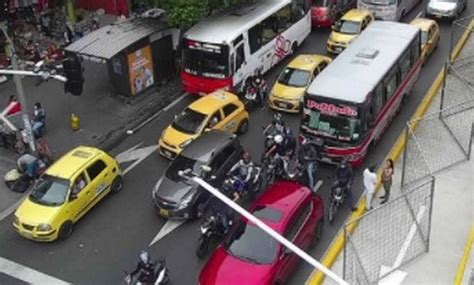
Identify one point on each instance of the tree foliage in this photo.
(185, 13)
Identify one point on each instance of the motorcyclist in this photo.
(308, 156)
(344, 175)
(145, 268)
(244, 168)
(222, 212)
(259, 84)
(277, 126)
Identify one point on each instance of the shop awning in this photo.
(109, 40)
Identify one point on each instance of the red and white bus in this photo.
(225, 50)
(353, 100)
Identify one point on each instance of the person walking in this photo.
(387, 173)
(370, 180)
(38, 122)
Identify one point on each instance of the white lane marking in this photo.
(7, 212)
(27, 274)
(135, 154)
(317, 186)
(157, 114)
(398, 276)
(167, 228)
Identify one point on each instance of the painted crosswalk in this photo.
(27, 274)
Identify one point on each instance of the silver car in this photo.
(449, 9)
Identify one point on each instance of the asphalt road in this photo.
(108, 239)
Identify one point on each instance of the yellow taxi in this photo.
(291, 85)
(430, 35)
(345, 30)
(220, 110)
(65, 192)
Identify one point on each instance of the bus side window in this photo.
(283, 19)
(239, 57)
(269, 31)
(377, 101)
(390, 83)
(415, 51)
(405, 64)
(255, 38)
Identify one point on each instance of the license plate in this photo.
(27, 234)
(164, 213)
(283, 105)
(338, 49)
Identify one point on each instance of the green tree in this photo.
(185, 13)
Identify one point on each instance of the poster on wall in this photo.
(140, 66)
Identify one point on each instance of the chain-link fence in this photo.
(389, 236)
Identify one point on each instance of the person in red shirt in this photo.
(13, 105)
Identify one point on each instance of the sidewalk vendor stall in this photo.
(139, 53)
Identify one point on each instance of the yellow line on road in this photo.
(329, 258)
(465, 258)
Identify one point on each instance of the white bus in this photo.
(225, 50)
(388, 10)
(353, 100)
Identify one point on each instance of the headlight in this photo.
(185, 202)
(44, 228)
(16, 221)
(185, 143)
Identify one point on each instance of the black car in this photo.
(176, 198)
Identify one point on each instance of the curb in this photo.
(331, 254)
(465, 258)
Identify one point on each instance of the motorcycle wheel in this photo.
(202, 247)
(332, 211)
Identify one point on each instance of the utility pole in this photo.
(20, 91)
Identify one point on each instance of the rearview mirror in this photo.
(213, 177)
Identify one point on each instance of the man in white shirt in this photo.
(370, 180)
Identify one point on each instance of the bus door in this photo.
(239, 60)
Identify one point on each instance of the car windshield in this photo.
(320, 3)
(182, 163)
(189, 121)
(341, 127)
(381, 2)
(294, 77)
(50, 191)
(424, 37)
(347, 27)
(208, 60)
(250, 243)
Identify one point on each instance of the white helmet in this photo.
(278, 139)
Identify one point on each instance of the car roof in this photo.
(285, 197)
(205, 146)
(307, 61)
(356, 15)
(208, 104)
(423, 23)
(68, 165)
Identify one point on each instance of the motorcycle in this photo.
(338, 194)
(161, 274)
(235, 183)
(274, 168)
(292, 169)
(211, 229)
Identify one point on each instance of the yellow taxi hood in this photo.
(175, 137)
(288, 92)
(33, 214)
(342, 38)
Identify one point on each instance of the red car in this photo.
(250, 256)
(325, 12)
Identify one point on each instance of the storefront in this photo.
(139, 53)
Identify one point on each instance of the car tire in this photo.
(65, 230)
(117, 184)
(243, 126)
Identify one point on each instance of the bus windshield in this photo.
(381, 2)
(208, 60)
(333, 121)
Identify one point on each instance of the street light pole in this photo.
(20, 92)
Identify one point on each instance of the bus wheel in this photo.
(294, 47)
